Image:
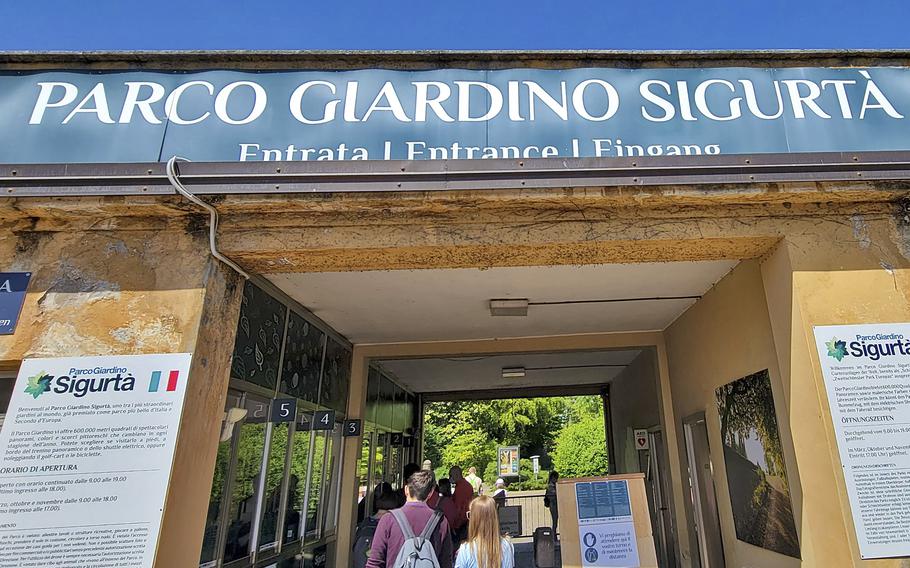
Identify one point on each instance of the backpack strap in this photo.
(431, 525)
(403, 523)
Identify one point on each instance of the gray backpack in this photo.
(417, 551)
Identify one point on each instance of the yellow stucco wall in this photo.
(135, 292)
(858, 274)
(724, 337)
(760, 316)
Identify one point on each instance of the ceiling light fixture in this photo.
(518, 307)
(513, 372)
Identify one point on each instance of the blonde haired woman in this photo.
(485, 547)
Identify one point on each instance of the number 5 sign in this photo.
(284, 409)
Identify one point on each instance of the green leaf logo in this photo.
(38, 384)
(836, 348)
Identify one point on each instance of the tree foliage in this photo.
(581, 449)
(746, 408)
(467, 433)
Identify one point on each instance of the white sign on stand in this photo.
(605, 526)
(85, 459)
(867, 377)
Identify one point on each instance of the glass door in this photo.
(707, 536)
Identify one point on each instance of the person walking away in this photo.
(366, 530)
(408, 470)
(499, 494)
(485, 547)
(396, 535)
(476, 482)
(442, 500)
(549, 499)
(462, 493)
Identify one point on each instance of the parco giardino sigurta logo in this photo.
(836, 348)
(38, 384)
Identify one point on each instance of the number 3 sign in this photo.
(352, 428)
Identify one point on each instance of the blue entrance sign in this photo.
(376, 114)
(12, 295)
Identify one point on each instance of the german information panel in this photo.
(867, 377)
(85, 459)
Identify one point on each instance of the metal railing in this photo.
(533, 513)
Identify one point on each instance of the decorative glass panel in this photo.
(245, 492)
(300, 457)
(373, 381)
(302, 359)
(336, 374)
(316, 484)
(274, 475)
(257, 348)
(332, 481)
(387, 402)
(219, 480)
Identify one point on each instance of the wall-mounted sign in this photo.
(378, 114)
(284, 409)
(324, 420)
(606, 528)
(352, 428)
(867, 376)
(641, 439)
(85, 459)
(12, 295)
(508, 461)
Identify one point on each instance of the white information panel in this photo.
(605, 527)
(867, 376)
(85, 458)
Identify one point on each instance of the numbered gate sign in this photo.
(305, 424)
(284, 409)
(324, 420)
(12, 295)
(257, 411)
(352, 428)
(396, 439)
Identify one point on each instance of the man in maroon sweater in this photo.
(389, 539)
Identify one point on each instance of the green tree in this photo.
(581, 449)
(746, 408)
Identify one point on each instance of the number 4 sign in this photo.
(641, 440)
(324, 420)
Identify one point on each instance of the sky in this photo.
(83, 25)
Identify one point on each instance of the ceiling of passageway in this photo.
(453, 304)
(453, 374)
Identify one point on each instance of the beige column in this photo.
(128, 293)
(187, 500)
(841, 273)
(347, 515)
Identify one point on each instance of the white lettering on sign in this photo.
(593, 100)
